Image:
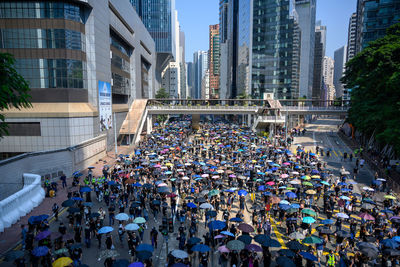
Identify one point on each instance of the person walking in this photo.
(154, 236)
(331, 262)
(55, 210)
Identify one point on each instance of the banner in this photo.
(105, 106)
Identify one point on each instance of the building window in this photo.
(42, 38)
(24, 128)
(40, 10)
(53, 73)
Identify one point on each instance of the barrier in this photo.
(22, 202)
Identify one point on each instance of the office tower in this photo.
(373, 18)
(200, 66)
(159, 17)
(340, 64)
(272, 49)
(306, 12)
(351, 37)
(319, 54)
(205, 86)
(327, 74)
(244, 47)
(213, 61)
(182, 66)
(190, 79)
(79, 74)
(295, 82)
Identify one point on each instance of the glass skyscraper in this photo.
(272, 49)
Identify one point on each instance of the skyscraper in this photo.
(190, 79)
(306, 11)
(213, 61)
(340, 62)
(351, 37)
(182, 65)
(319, 54)
(200, 66)
(327, 74)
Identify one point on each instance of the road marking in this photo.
(335, 153)
(277, 233)
(340, 153)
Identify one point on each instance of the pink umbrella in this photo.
(205, 175)
(223, 249)
(157, 166)
(286, 163)
(219, 236)
(162, 184)
(367, 217)
(270, 183)
(232, 176)
(284, 175)
(215, 177)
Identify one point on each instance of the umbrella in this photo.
(85, 189)
(191, 205)
(122, 217)
(246, 239)
(213, 192)
(211, 213)
(246, 227)
(309, 212)
(242, 192)
(223, 249)
(254, 247)
(227, 233)
(61, 251)
(342, 215)
(77, 198)
(132, 227)
(312, 240)
(37, 219)
(68, 203)
(62, 262)
(193, 240)
(139, 220)
(287, 253)
(390, 243)
(389, 197)
(391, 252)
(108, 253)
(308, 256)
(285, 262)
(73, 210)
(325, 230)
(294, 245)
(216, 225)
(136, 264)
(369, 252)
(105, 230)
(13, 255)
(366, 217)
(296, 235)
(42, 235)
(206, 206)
(291, 195)
(327, 221)
(308, 220)
(121, 263)
(94, 215)
(40, 251)
(88, 204)
(201, 248)
(235, 219)
(343, 233)
(235, 245)
(180, 254)
(145, 247)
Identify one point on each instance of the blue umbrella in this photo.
(144, 255)
(194, 240)
(261, 188)
(201, 248)
(37, 219)
(40, 251)
(111, 183)
(137, 184)
(216, 225)
(327, 221)
(163, 189)
(235, 219)
(242, 192)
(77, 198)
(191, 205)
(390, 243)
(291, 195)
(308, 256)
(145, 247)
(227, 233)
(294, 206)
(284, 206)
(85, 189)
(105, 230)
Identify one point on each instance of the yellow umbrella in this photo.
(169, 164)
(62, 262)
(311, 192)
(389, 197)
(315, 176)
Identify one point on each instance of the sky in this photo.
(196, 15)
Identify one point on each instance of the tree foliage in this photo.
(373, 76)
(162, 94)
(14, 89)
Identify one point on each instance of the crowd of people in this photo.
(253, 200)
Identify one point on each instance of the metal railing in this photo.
(198, 107)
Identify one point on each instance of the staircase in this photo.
(134, 121)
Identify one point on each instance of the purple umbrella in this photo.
(253, 247)
(136, 264)
(42, 235)
(55, 235)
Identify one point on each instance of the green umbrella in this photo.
(309, 212)
(291, 210)
(213, 192)
(235, 245)
(308, 220)
(307, 183)
(139, 220)
(325, 183)
(61, 250)
(312, 240)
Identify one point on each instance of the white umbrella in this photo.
(132, 227)
(342, 215)
(366, 188)
(206, 206)
(180, 254)
(122, 217)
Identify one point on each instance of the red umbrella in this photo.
(172, 195)
(246, 227)
(367, 217)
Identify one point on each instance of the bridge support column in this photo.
(196, 121)
(249, 120)
(149, 124)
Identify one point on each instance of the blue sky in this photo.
(196, 15)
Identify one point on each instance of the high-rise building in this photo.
(340, 64)
(84, 60)
(319, 54)
(327, 74)
(190, 79)
(351, 37)
(182, 66)
(244, 47)
(159, 17)
(272, 49)
(205, 86)
(306, 12)
(200, 66)
(214, 60)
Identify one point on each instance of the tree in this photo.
(162, 94)
(373, 77)
(14, 89)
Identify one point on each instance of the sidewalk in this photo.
(12, 235)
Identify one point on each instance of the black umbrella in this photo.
(325, 230)
(68, 203)
(245, 239)
(391, 252)
(73, 210)
(94, 215)
(343, 233)
(211, 213)
(295, 245)
(369, 252)
(285, 262)
(287, 253)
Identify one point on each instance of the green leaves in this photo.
(162, 94)
(14, 90)
(373, 76)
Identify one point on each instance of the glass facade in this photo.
(243, 78)
(378, 15)
(272, 49)
(157, 16)
(40, 10)
(53, 73)
(42, 38)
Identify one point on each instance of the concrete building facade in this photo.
(351, 37)
(319, 54)
(214, 61)
(339, 68)
(200, 66)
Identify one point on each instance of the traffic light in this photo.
(170, 225)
